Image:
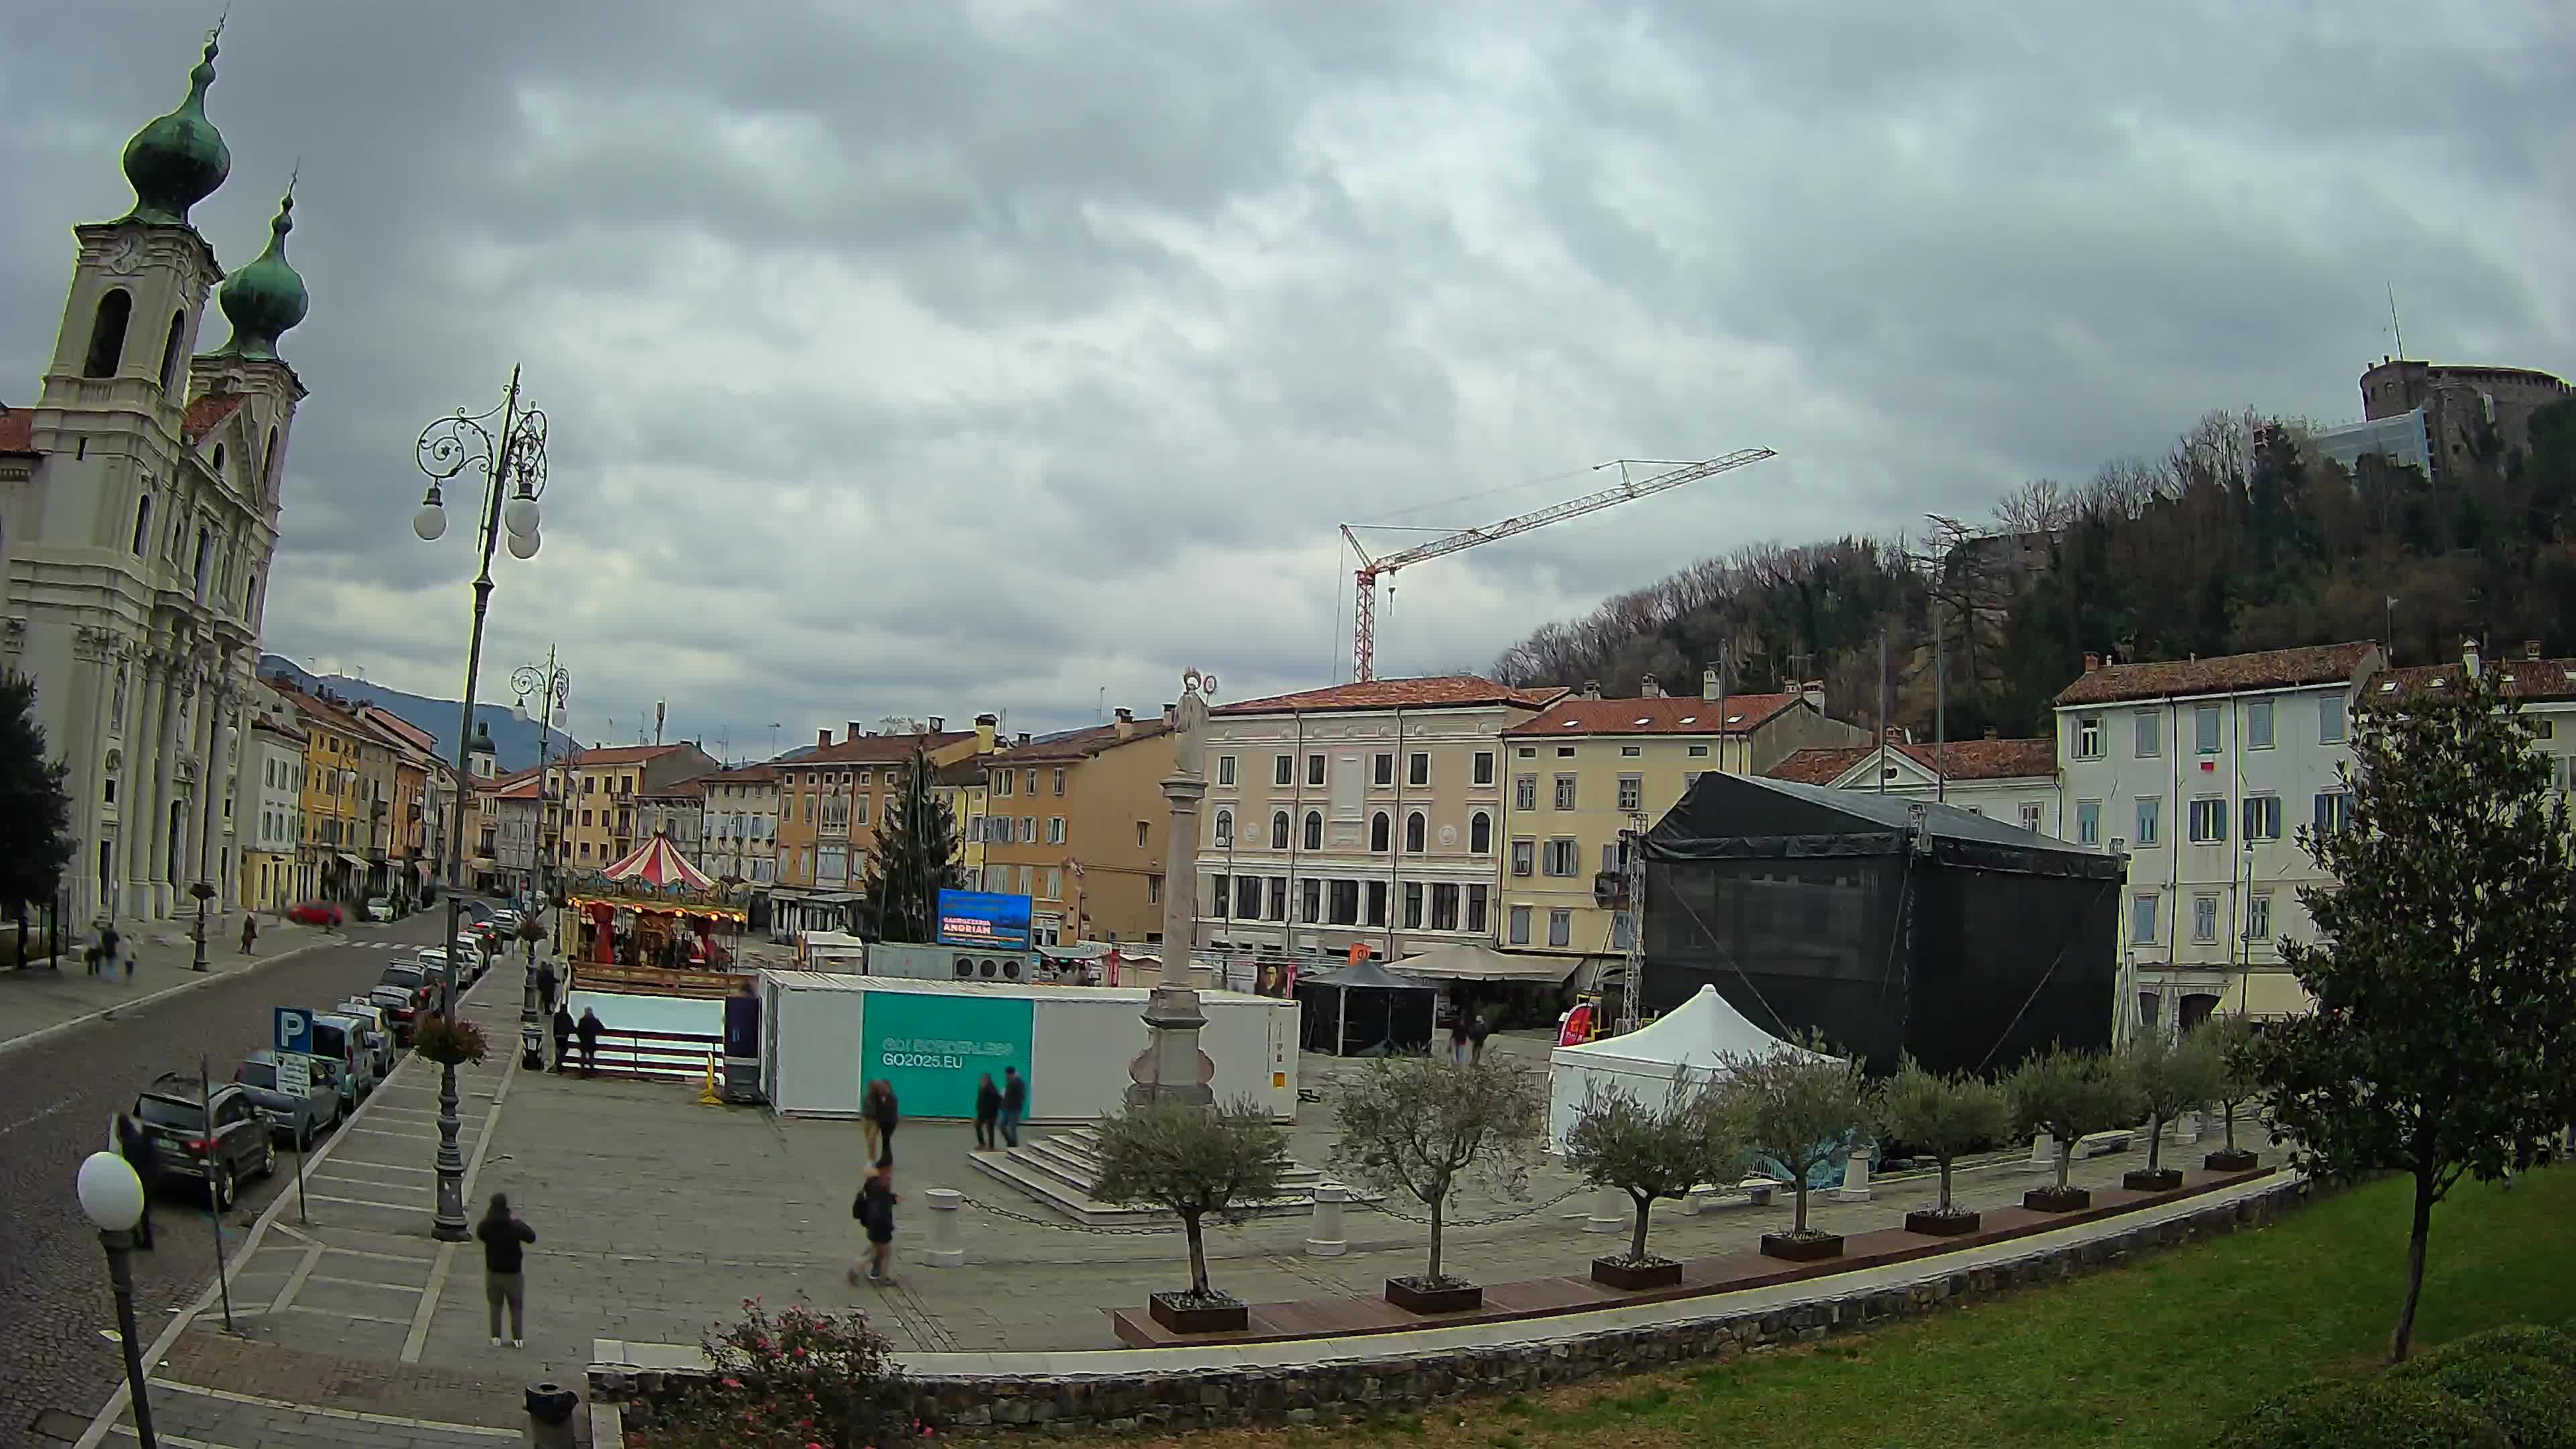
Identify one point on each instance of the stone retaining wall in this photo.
(1362, 1383)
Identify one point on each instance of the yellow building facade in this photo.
(1078, 823)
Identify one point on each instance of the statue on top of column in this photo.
(1189, 723)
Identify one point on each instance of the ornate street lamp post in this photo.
(553, 686)
(513, 463)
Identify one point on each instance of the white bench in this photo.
(1708, 1197)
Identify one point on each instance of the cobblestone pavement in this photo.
(56, 1097)
(36, 998)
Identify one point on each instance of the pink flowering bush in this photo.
(796, 1380)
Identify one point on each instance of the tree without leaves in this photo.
(1800, 1105)
(1194, 1164)
(2444, 1039)
(2071, 1095)
(35, 810)
(2171, 1078)
(1696, 1136)
(1419, 1126)
(915, 859)
(1945, 1118)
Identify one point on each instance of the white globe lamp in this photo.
(111, 1196)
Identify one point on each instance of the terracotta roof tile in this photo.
(2523, 679)
(207, 413)
(620, 755)
(2225, 674)
(17, 431)
(1957, 760)
(1664, 715)
(1819, 766)
(747, 775)
(1449, 691)
(878, 749)
(1082, 744)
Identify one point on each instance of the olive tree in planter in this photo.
(2069, 1095)
(1943, 1118)
(2171, 1078)
(1194, 1164)
(1421, 1126)
(1800, 1106)
(2232, 1043)
(1696, 1136)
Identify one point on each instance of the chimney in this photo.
(855, 731)
(1126, 724)
(939, 724)
(1024, 737)
(822, 739)
(2530, 648)
(1647, 688)
(987, 726)
(1708, 689)
(2092, 662)
(1592, 689)
(1813, 691)
(2469, 656)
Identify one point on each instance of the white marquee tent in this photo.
(1692, 1039)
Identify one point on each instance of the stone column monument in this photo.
(1172, 1068)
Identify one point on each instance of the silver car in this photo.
(297, 1118)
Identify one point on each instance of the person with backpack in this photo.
(1015, 1100)
(505, 1282)
(874, 1208)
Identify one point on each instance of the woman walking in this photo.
(505, 1280)
(883, 1117)
(988, 1112)
(874, 1209)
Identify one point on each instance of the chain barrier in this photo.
(1483, 1222)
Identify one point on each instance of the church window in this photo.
(142, 524)
(205, 556)
(170, 352)
(270, 461)
(219, 460)
(107, 333)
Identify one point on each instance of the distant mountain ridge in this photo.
(517, 741)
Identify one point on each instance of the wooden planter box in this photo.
(1620, 1273)
(2223, 1160)
(1197, 1318)
(2162, 1179)
(1412, 1296)
(2055, 1200)
(1801, 1250)
(1942, 1225)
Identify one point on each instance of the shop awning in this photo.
(1476, 963)
(359, 861)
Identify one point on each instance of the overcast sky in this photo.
(930, 358)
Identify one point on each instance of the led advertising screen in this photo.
(980, 919)
(936, 1049)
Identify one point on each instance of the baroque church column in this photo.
(178, 689)
(134, 805)
(95, 651)
(208, 864)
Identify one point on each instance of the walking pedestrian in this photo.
(1015, 1100)
(505, 1281)
(128, 951)
(545, 984)
(250, 931)
(588, 1030)
(135, 1146)
(1458, 1037)
(1477, 1031)
(881, 1111)
(988, 1112)
(563, 1036)
(874, 1208)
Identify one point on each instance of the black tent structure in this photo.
(1365, 1011)
(1888, 925)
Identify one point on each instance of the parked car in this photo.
(342, 1039)
(298, 1117)
(420, 977)
(401, 1006)
(380, 908)
(380, 1031)
(317, 913)
(215, 1138)
(433, 965)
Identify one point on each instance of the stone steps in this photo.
(1062, 1170)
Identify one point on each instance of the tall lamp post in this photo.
(553, 686)
(111, 1197)
(513, 463)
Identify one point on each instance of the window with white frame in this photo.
(1476, 908)
(1444, 905)
(1560, 928)
(1314, 769)
(1314, 830)
(1697, 752)
(1055, 830)
(1225, 769)
(1525, 792)
(1632, 792)
(2088, 822)
(2151, 734)
(1480, 834)
(1564, 857)
(1382, 768)
(1519, 930)
(2030, 817)
(2258, 724)
(2262, 817)
(1279, 830)
(2151, 820)
(1224, 831)
(2258, 916)
(2208, 820)
(1524, 857)
(1310, 900)
(2204, 919)
(1417, 768)
(2088, 737)
(2334, 811)
(1283, 770)
(1379, 833)
(2142, 920)
(1415, 828)
(2204, 729)
(2330, 721)
(1484, 774)
(1565, 791)
(1412, 905)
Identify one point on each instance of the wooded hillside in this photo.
(2238, 538)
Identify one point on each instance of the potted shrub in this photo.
(532, 931)
(1421, 1126)
(2171, 1078)
(449, 1042)
(1943, 1118)
(2068, 1095)
(1696, 1136)
(1194, 1164)
(2231, 1042)
(1800, 1106)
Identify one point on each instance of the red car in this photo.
(317, 913)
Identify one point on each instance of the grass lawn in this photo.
(2161, 1352)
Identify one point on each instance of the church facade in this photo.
(139, 502)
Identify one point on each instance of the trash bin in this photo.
(550, 1409)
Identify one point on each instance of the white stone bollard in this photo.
(947, 1249)
(2186, 1129)
(1855, 1186)
(1612, 1212)
(2043, 1152)
(1325, 1239)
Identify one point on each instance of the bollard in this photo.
(2043, 1152)
(947, 1248)
(550, 1409)
(2186, 1129)
(1325, 1239)
(1855, 1186)
(1611, 1212)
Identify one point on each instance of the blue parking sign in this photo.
(294, 1030)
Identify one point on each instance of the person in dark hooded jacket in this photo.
(135, 1145)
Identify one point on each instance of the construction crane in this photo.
(1364, 623)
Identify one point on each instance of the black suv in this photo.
(184, 1145)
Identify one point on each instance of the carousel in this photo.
(654, 910)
